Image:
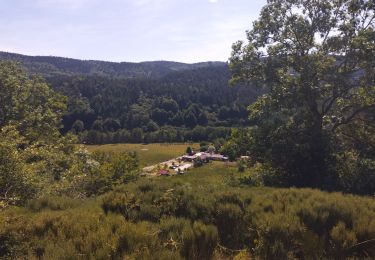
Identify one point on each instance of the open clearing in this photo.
(214, 174)
(148, 154)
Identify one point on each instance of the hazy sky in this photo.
(126, 30)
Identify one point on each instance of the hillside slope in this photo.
(144, 102)
(50, 66)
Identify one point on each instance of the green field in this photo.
(148, 154)
(213, 174)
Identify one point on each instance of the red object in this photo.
(164, 172)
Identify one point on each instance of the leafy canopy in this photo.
(316, 59)
(29, 104)
(34, 157)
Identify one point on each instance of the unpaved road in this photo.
(152, 170)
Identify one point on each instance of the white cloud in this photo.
(71, 5)
(213, 1)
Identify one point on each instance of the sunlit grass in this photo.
(143, 216)
(148, 154)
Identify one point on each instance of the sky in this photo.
(126, 30)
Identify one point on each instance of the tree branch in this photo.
(351, 117)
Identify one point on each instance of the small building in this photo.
(244, 158)
(184, 167)
(205, 157)
(218, 157)
(189, 158)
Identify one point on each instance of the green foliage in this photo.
(167, 109)
(16, 180)
(191, 217)
(201, 242)
(241, 166)
(78, 126)
(315, 60)
(196, 216)
(33, 155)
(111, 169)
(35, 160)
(356, 173)
(50, 66)
(237, 144)
(166, 100)
(34, 108)
(229, 220)
(198, 162)
(88, 233)
(53, 203)
(271, 223)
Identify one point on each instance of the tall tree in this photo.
(29, 104)
(34, 157)
(316, 59)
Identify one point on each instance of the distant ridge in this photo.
(50, 66)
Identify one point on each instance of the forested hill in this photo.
(144, 102)
(50, 66)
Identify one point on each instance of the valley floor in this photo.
(148, 154)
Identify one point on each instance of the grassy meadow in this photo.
(148, 154)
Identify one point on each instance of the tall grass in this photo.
(148, 154)
(196, 216)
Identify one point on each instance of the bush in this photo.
(310, 223)
(174, 219)
(53, 203)
(114, 169)
(200, 241)
(125, 204)
(356, 174)
(229, 219)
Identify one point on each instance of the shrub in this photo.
(146, 187)
(53, 203)
(123, 203)
(175, 219)
(200, 241)
(114, 169)
(229, 219)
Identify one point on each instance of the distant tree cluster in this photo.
(190, 105)
(50, 66)
(112, 102)
(165, 134)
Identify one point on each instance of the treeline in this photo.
(50, 66)
(191, 105)
(162, 135)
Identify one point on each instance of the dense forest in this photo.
(156, 102)
(50, 66)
